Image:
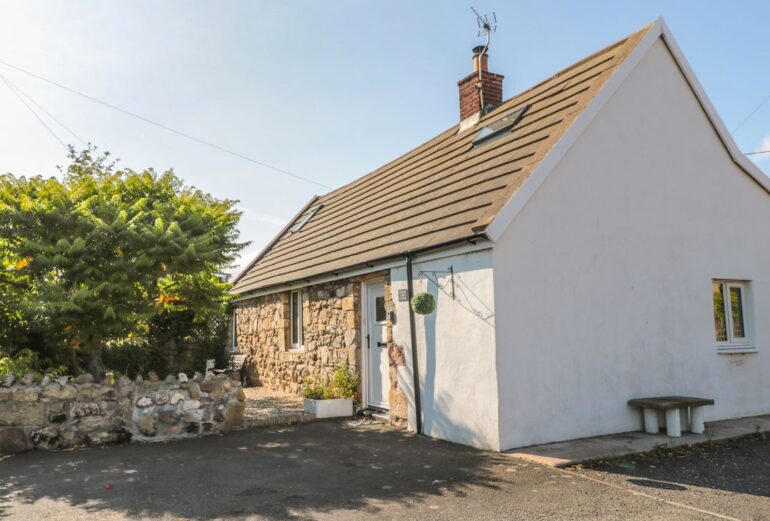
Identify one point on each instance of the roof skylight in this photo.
(306, 218)
(499, 126)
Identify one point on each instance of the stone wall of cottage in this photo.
(397, 402)
(331, 318)
(64, 413)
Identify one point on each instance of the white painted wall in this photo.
(603, 280)
(456, 349)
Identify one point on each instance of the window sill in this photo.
(736, 350)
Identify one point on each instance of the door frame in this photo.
(365, 291)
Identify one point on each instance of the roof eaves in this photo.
(373, 265)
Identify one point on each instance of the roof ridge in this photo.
(580, 62)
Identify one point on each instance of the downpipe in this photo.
(413, 333)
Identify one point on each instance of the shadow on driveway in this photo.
(275, 473)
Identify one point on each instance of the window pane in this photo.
(379, 309)
(294, 317)
(719, 312)
(736, 310)
(499, 126)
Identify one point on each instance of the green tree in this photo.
(97, 254)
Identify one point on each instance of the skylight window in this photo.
(306, 218)
(499, 126)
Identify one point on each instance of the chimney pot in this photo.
(480, 59)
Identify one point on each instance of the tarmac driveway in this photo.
(341, 471)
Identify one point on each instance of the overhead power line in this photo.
(757, 152)
(756, 109)
(49, 129)
(38, 105)
(165, 127)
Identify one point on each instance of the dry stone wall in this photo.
(65, 413)
(331, 318)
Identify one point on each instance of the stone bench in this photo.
(676, 409)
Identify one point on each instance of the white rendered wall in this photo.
(456, 349)
(603, 281)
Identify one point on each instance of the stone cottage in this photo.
(588, 241)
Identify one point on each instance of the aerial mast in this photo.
(487, 24)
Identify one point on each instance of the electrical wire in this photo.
(757, 152)
(165, 127)
(49, 129)
(752, 113)
(38, 105)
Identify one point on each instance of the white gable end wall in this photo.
(602, 282)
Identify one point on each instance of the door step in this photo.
(378, 415)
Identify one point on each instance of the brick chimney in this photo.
(473, 91)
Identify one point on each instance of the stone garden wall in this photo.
(331, 318)
(64, 413)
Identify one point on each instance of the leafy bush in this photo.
(27, 361)
(318, 392)
(106, 268)
(134, 358)
(98, 253)
(343, 384)
(24, 362)
(176, 342)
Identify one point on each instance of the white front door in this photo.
(378, 370)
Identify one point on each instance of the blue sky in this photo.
(328, 90)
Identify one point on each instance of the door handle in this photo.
(367, 342)
(382, 344)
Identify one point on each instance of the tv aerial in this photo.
(487, 24)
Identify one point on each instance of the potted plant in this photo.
(333, 399)
(423, 303)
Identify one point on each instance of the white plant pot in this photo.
(335, 408)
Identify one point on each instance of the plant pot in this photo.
(336, 408)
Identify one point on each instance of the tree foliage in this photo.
(96, 255)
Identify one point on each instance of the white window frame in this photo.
(295, 343)
(733, 343)
(234, 340)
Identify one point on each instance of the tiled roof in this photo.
(443, 191)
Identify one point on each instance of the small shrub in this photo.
(25, 361)
(175, 343)
(56, 372)
(343, 384)
(318, 392)
(134, 358)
